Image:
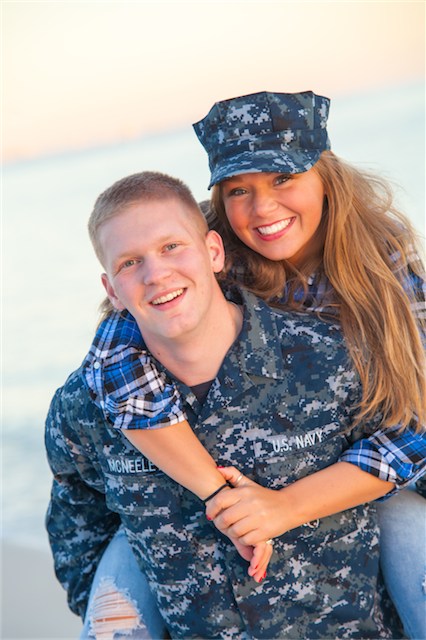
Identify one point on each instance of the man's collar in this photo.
(258, 344)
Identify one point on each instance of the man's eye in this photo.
(171, 246)
(128, 263)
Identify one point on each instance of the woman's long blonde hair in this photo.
(359, 232)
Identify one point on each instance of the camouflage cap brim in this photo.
(264, 162)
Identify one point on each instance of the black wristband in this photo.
(212, 495)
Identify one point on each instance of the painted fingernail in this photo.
(208, 517)
(264, 575)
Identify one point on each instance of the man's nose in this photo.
(154, 270)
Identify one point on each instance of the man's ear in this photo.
(217, 252)
(111, 293)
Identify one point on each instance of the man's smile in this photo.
(168, 297)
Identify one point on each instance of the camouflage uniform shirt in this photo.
(279, 409)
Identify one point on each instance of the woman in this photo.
(304, 229)
(354, 259)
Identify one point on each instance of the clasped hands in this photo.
(250, 515)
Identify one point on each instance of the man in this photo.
(269, 392)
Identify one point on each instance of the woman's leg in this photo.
(402, 520)
(121, 605)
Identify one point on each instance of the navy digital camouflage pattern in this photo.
(273, 132)
(279, 409)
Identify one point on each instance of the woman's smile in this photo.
(276, 215)
(274, 230)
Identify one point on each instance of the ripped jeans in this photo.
(121, 606)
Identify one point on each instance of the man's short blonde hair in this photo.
(141, 187)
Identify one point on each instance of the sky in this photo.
(81, 74)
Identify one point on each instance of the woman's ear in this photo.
(111, 293)
(216, 249)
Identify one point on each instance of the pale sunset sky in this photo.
(77, 74)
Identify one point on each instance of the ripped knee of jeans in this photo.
(113, 612)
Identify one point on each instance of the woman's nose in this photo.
(263, 203)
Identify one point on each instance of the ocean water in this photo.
(51, 283)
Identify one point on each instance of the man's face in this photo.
(160, 267)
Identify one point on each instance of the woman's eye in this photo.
(284, 177)
(237, 191)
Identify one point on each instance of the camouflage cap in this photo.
(264, 132)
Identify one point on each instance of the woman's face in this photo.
(275, 214)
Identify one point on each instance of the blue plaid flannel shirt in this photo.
(123, 380)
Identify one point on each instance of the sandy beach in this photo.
(33, 604)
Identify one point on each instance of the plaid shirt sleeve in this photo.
(391, 455)
(124, 381)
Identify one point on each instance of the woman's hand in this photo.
(252, 514)
(249, 513)
(262, 554)
(258, 554)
